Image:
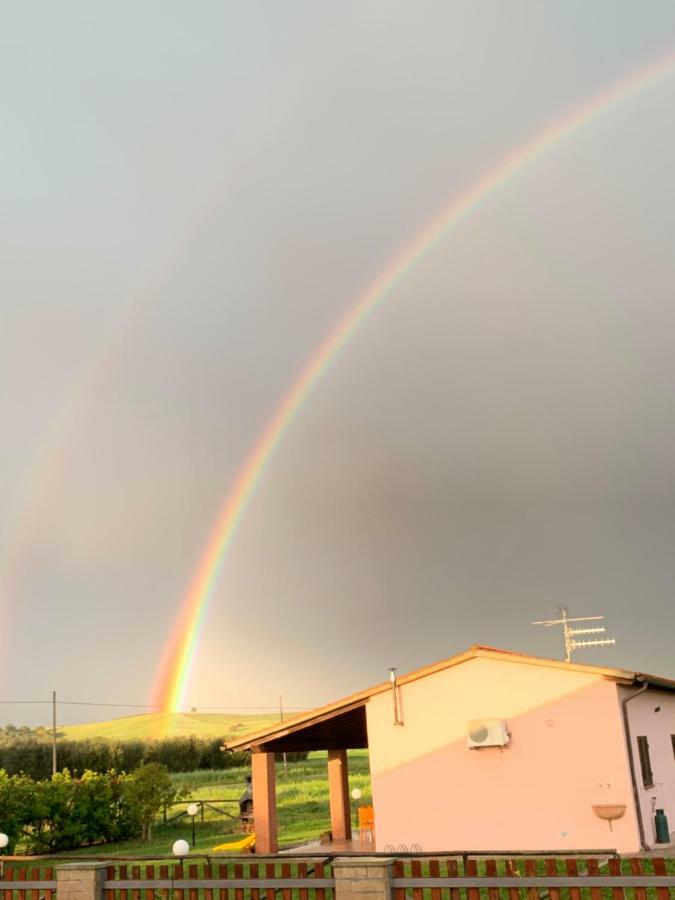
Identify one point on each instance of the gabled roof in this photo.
(278, 736)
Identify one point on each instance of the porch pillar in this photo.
(338, 792)
(263, 777)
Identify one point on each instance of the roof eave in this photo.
(304, 720)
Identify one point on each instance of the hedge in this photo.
(64, 812)
(33, 757)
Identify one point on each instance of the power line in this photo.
(238, 708)
(144, 705)
(118, 705)
(24, 702)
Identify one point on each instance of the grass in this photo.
(152, 726)
(302, 805)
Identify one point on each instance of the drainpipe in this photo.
(394, 694)
(631, 761)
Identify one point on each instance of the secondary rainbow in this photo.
(174, 674)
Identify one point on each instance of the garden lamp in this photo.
(4, 840)
(180, 848)
(192, 811)
(356, 796)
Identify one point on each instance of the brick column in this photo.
(80, 881)
(338, 793)
(362, 878)
(263, 776)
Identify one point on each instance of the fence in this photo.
(513, 878)
(306, 879)
(202, 805)
(348, 878)
(36, 883)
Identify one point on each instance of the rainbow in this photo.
(181, 650)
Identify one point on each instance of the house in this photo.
(492, 750)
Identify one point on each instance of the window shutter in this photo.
(645, 762)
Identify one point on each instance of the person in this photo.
(246, 806)
(248, 793)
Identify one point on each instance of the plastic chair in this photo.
(366, 822)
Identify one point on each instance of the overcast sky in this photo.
(192, 194)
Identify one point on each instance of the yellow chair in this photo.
(241, 846)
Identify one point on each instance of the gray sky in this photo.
(192, 194)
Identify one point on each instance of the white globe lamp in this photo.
(356, 796)
(180, 848)
(192, 811)
(4, 840)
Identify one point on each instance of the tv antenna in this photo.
(570, 634)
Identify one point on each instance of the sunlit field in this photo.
(151, 726)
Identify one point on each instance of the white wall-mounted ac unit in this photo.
(487, 733)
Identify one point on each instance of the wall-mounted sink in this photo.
(609, 811)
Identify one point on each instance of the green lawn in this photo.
(302, 802)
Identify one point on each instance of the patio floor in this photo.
(355, 845)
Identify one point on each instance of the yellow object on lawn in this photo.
(246, 843)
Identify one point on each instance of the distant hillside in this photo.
(153, 726)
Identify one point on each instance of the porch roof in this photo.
(342, 725)
(343, 729)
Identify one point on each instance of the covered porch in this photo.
(335, 730)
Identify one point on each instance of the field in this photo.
(151, 726)
(302, 800)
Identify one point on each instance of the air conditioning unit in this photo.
(487, 733)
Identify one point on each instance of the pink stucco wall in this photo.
(567, 752)
(657, 727)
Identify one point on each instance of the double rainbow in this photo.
(179, 657)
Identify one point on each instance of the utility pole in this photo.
(53, 732)
(570, 634)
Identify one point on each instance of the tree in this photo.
(145, 794)
(17, 799)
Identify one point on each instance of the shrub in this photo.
(17, 801)
(145, 793)
(66, 812)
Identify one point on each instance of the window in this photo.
(645, 762)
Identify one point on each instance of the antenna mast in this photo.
(570, 634)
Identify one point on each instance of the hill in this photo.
(153, 726)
